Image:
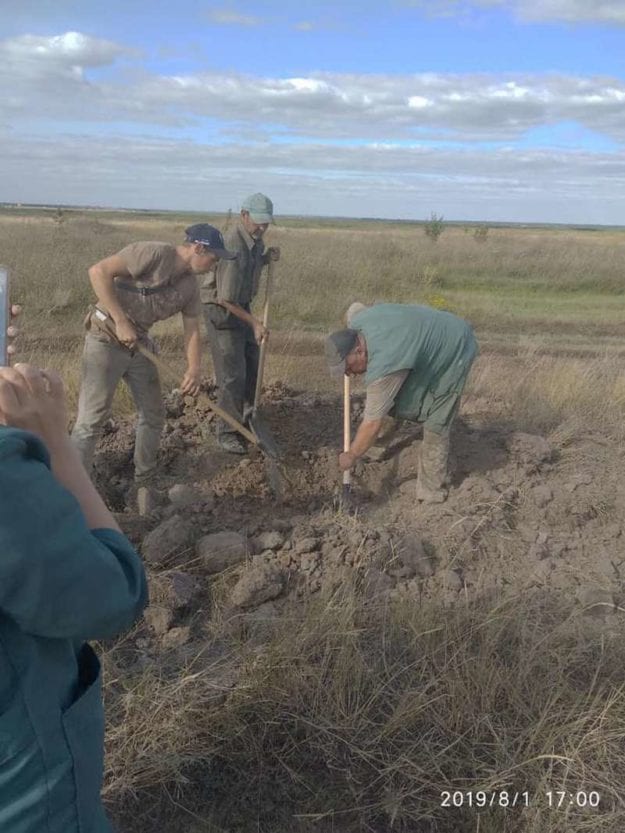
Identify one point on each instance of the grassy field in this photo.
(362, 717)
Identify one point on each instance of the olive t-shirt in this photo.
(153, 265)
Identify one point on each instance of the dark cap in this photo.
(338, 346)
(211, 238)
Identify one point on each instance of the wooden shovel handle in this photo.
(347, 426)
(170, 374)
(263, 346)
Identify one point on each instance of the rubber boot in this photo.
(432, 482)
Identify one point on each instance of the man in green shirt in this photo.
(234, 333)
(416, 361)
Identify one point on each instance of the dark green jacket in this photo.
(437, 348)
(60, 585)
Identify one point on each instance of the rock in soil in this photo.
(176, 638)
(306, 545)
(259, 584)
(159, 619)
(221, 550)
(182, 495)
(269, 541)
(171, 537)
(413, 555)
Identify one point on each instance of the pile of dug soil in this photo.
(520, 513)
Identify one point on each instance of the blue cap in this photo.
(211, 238)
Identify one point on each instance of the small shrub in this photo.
(434, 227)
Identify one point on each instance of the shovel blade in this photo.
(266, 441)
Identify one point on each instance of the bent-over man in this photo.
(416, 361)
(143, 283)
(234, 334)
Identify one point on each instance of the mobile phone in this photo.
(5, 315)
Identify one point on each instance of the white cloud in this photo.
(462, 108)
(230, 17)
(570, 11)
(71, 51)
(390, 180)
(49, 78)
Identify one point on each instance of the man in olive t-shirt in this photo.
(416, 360)
(143, 283)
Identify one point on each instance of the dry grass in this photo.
(358, 718)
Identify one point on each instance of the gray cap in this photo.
(259, 207)
(338, 346)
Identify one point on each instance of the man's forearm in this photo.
(240, 313)
(103, 287)
(365, 437)
(193, 348)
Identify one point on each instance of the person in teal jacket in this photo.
(416, 361)
(67, 575)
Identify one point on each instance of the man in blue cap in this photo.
(416, 361)
(234, 333)
(143, 283)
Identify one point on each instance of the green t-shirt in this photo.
(435, 347)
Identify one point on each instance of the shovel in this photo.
(275, 473)
(168, 373)
(255, 420)
(347, 438)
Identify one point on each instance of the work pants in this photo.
(104, 364)
(235, 359)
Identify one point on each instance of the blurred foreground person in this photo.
(67, 575)
(416, 360)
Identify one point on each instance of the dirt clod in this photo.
(169, 538)
(221, 550)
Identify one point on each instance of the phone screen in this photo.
(4, 314)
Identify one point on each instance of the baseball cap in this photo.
(210, 237)
(260, 208)
(338, 345)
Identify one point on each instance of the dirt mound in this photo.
(519, 512)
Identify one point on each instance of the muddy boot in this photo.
(432, 482)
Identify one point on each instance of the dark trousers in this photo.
(235, 359)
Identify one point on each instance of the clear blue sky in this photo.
(488, 110)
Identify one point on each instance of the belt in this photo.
(142, 290)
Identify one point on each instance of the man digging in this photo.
(234, 334)
(416, 361)
(143, 283)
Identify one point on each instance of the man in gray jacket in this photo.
(234, 333)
